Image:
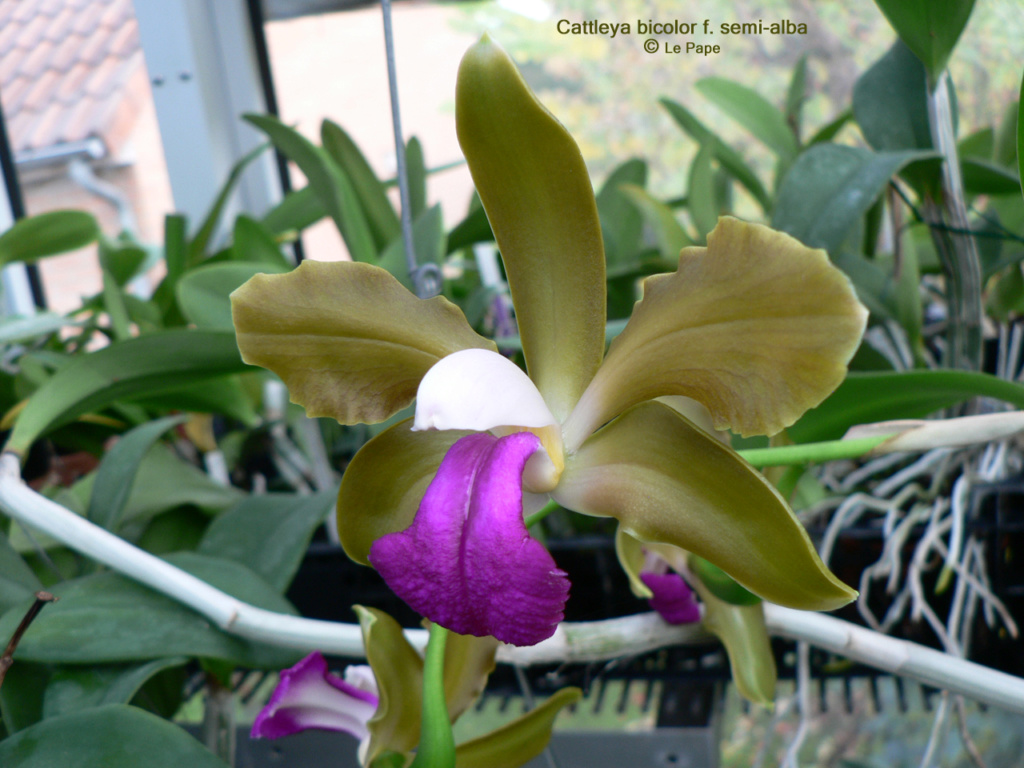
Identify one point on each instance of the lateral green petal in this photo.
(398, 668)
(757, 327)
(666, 480)
(347, 338)
(384, 483)
(535, 188)
(742, 630)
(518, 742)
(468, 662)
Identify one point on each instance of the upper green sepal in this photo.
(535, 188)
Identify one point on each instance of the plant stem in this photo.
(541, 513)
(437, 745)
(7, 660)
(830, 450)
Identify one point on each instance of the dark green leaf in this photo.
(755, 113)
(21, 697)
(701, 194)
(930, 28)
(416, 171)
(197, 248)
(72, 689)
(829, 132)
(253, 241)
(115, 736)
(985, 178)
(726, 155)
(268, 533)
(1020, 134)
(138, 367)
(830, 187)
(116, 473)
(621, 222)
(17, 581)
(224, 395)
(122, 260)
(427, 243)
(107, 618)
(869, 397)
(1004, 150)
(330, 182)
(203, 293)
(47, 234)
(890, 102)
(668, 232)
(979, 145)
(299, 209)
(796, 96)
(1007, 296)
(475, 228)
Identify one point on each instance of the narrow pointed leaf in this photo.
(331, 184)
(756, 327)
(865, 398)
(700, 194)
(536, 190)
(299, 209)
(347, 339)
(666, 480)
(203, 293)
(755, 113)
(427, 242)
(930, 28)
(1020, 134)
(796, 95)
(621, 223)
(668, 232)
(726, 155)
(116, 473)
(398, 669)
(47, 234)
(384, 483)
(138, 367)
(416, 170)
(253, 241)
(518, 742)
(114, 736)
(380, 215)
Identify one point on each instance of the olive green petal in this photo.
(666, 480)
(742, 630)
(518, 742)
(537, 194)
(757, 327)
(348, 339)
(384, 483)
(468, 662)
(398, 668)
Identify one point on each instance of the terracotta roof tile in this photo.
(65, 66)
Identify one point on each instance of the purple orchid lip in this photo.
(467, 561)
(673, 599)
(308, 696)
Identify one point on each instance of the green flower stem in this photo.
(437, 745)
(541, 513)
(830, 450)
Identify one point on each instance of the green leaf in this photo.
(1020, 134)
(253, 242)
(14, 330)
(224, 395)
(668, 232)
(752, 111)
(1007, 296)
(701, 193)
(72, 689)
(796, 95)
(107, 618)
(416, 171)
(122, 260)
(298, 210)
(427, 243)
(979, 145)
(869, 397)
(18, 583)
(204, 293)
(830, 187)
(621, 222)
(1004, 150)
(116, 473)
(113, 303)
(518, 742)
(369, 190)
(331, 184)
(830, 130)
(981, 177)
(21, 697)
(137, 367)
(165, 481)
(475, 228)
(115, 736)
(196, 250)
(47, 234)
(930, 28)
(890, 102)
(268, 533)
(726, 155)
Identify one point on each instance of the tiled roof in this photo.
(64, 69)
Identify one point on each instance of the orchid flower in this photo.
(755, 326)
